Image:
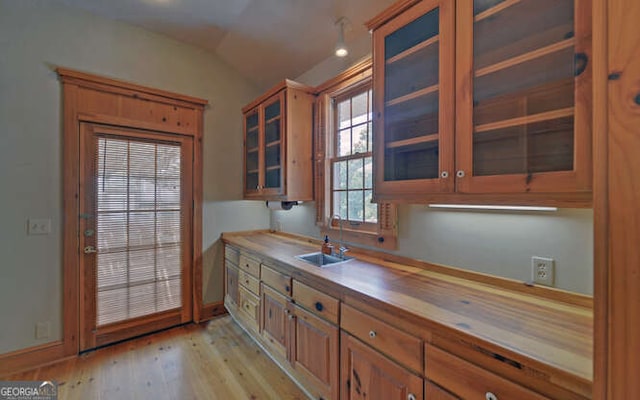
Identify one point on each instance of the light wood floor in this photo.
(214, 361)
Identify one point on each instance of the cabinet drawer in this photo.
(249, 308)
(250, 265)
(469, 381)
(249, 281)
(315, 301)
(400, 346)
(279, 282)
(231, 254)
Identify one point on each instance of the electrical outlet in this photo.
(543, 270)
(39, 226)
(43, 330)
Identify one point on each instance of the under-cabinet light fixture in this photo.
(341, 47)
(492, 207)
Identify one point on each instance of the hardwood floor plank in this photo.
(214, 361)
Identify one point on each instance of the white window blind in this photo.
(138, 221)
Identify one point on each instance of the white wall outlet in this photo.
(543, 270)
(43, 330)
(39, 226)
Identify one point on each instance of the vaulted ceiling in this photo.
(264, 40)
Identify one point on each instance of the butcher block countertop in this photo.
(547, 330)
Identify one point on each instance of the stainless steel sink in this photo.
(322, 260)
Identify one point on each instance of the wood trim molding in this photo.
(23, 359)
(359, 71)
(197, 219)
(83, 79)
(287, 83)
(393, 10)
(212, 310)
(600, 199)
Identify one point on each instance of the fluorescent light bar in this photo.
(491, 207)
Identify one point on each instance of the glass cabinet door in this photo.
(273, 144)
(413, 101)
(252, 151)
(523, 100)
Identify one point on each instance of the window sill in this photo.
(361, 237)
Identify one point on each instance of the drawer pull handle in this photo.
(287, 289)
(490, 396)
(372, 334)
(319, 306)
(411, 396)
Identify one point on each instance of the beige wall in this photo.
(36, 36)
(496, 243)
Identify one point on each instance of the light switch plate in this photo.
(39, 226)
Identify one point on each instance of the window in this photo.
(344, 163)
(351, 161)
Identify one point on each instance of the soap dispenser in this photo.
(327, 248)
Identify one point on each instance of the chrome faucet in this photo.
(342, 249)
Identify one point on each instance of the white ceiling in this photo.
(265, 40)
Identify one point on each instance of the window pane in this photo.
(340, 204)
(360, 138)
(359, 109)
(355, 174)
(344, 114)
(368, 173)
(356, 205)
(340, 175)
(344, 142)
(370, 209)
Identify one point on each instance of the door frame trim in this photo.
(91, 98)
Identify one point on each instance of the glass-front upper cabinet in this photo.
(414, 101)
(278, 144)
(523, 96)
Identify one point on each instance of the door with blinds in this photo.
(135, 226)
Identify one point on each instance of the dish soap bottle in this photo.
(327, 248)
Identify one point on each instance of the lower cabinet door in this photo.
(231, 287)
(368, 375)
(315, 354)
(274, 320)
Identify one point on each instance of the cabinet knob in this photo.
(319, 306)
(372, 334)
(490, 396)
(290, 316)
(411, 396)
(444, 174)
(287, 289)
(460, 174)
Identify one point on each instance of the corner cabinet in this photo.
(508, 121)
(278, 144)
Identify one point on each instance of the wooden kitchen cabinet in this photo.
(275, 324)
(523, 113)
(278, 144)
(232, 296)
(469, 381)
(314, 353)
(522, 88)
(367, 374)
(413, 91)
